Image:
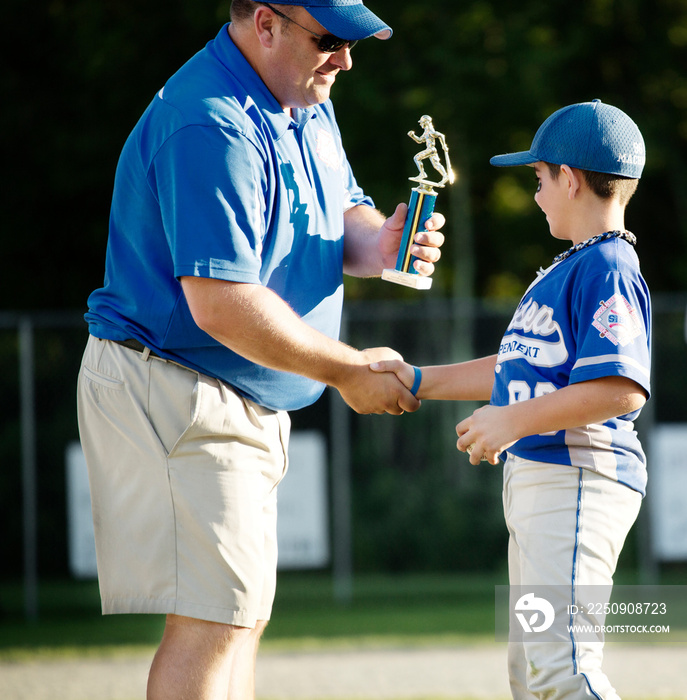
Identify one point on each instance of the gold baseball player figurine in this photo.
(421, 205)
(429, 138)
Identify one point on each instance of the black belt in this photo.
(135, 345)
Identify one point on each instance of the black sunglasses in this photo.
(326, 43)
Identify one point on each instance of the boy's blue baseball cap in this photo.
(347, 19)
(589, 136)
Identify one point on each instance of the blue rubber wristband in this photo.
(417, 381)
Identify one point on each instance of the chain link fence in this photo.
(404, 498)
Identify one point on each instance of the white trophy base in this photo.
(407, 279)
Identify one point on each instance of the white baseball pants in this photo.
(567, 527)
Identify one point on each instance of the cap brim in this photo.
(508, 159)
(352, 22)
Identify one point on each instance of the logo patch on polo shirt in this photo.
(617, 321)
(327, 151)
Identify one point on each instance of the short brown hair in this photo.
(242, 9)
(603, 185)
(245, 9)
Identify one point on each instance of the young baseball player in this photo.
(570, 377)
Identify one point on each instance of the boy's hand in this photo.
(404, 371)
(485, 434)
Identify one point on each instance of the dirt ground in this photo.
(475, 672)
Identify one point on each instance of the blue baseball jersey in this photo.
(586, 317)
(217, 181)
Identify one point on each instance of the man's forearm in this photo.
(257, 324)
(361, 255)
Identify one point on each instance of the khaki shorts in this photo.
(183, 474)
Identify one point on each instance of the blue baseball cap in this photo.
(589, 136)
(347, 19)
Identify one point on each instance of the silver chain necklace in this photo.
(625, 235)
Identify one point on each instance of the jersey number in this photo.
(521, 391)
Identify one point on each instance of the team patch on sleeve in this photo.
(617, 321)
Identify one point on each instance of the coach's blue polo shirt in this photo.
(217, 181)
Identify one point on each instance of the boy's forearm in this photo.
(465, 381)
(493, 429)
(586, 403)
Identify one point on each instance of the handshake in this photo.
(409, 375)
(374, 383)
(377, 380)
(480, 435)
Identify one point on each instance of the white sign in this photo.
(667, 491)
(303, 521)
(79, 517)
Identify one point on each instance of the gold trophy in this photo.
(421, 205)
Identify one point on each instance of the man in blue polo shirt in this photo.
(234, 217)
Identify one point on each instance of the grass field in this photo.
(398, 610)
(391, 610)
(385, 612)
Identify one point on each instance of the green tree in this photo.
(488, 71)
